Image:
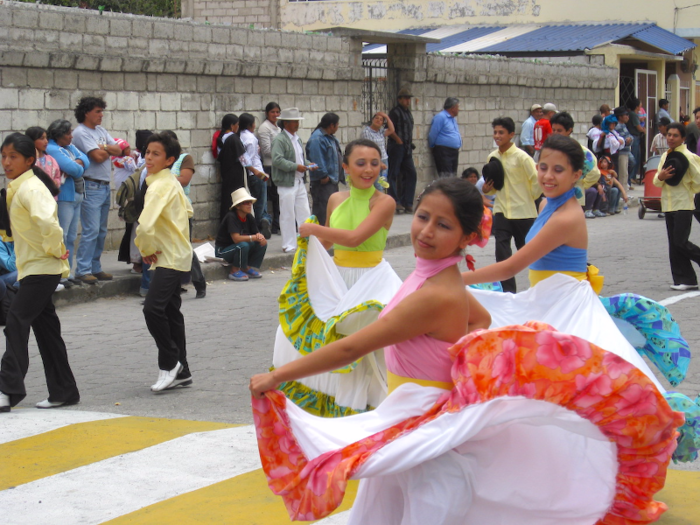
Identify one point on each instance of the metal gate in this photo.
(379, 88)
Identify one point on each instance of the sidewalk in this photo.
(126, 282)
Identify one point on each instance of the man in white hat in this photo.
(527, 140)
(543, 128)
(289, 172)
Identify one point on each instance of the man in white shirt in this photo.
(527, 140)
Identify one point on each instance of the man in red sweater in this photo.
(543, 128)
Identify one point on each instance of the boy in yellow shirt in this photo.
(162, 237)
(678, 177)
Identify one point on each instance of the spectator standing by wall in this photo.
(41, 262)
(266, 132)
(514, 210)
(596, 136)
(543, 128)
(377, 131)
(288, 172)
(445, 140)
(72, 163)
(44, 161)
(323, 150)
(623, 158)
(402, 171)
(527, 139)
(231, 160)
(94, 140)
(692, 132)
(663, 111)
(634, 126)
(257, 178)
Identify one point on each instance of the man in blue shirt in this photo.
(323, 150)
(444, 139)
(527, 138)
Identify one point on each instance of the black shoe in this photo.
(183, 290)
(201, 294)
(76, 282)
(180, 381)
(276, 231)
(265, 228)
(66, 283)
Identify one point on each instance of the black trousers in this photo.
(446, 161)
(504, 230)
(696, 213)
(320, 193)
(195, 275)
(164, 319)
(33, 307)
(274, 198)
(402, 174)
(680, 250)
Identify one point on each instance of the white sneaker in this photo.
(4, 402)
(684, 287)
(589, 214)
(60, 287)
(166, 378)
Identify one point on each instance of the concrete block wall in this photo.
(168, 74)
(490, 87)
(182, 75)
(242, 13)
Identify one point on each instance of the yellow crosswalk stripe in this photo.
(244, 500)
(73, 446)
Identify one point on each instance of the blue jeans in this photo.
(9, 278)
(634, 159)
(146, 276)
(93, 216)
(258, 189)
(68, 218)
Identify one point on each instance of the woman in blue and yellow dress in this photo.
(329, 298)
(564, 291)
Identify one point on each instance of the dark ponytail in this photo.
(229, 120)
(25, 147)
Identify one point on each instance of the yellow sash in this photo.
(351, 259)
(396, 381)
(591, 276)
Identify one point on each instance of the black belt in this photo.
(103, 182)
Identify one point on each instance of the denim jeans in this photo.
(68, 218)
(243, 255)
(258, 189)
(93, 216)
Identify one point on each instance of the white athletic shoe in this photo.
(684, 287)
(166, 378)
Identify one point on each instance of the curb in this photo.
(129, 284)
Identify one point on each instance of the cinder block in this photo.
(170, 101)
(111, 64)
(50, 20)
(185, 120)
(213, 68)
(201, 34)
(127, 101)
(158, 48)
(252, 53)
(142, 28)
(97, 25)
(28, 98)
(220, 35)
(164, 30)
(149, 101)
(87, 62)
(295, 87)
(71, 42)
(122, 121)
(206, 84)
(267, 70)
(40, 78)
(154, 66)
(89, 80)
(261, 86)
(166, 83)
(75, 23)
(57, 99)
(47, 36)
(120, 27)
(250, 69)
(95, 44)
(25, 18)
(69, 79)
(186, 83)
(113, 81)
(178, 48)
(37, 60)
(273, 39)
(166, 120)
(116, 43)
(254, 103)
(145, 120)
(232, 69)
(175, 66)
(199, 49)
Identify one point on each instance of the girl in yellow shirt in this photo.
(41, 262)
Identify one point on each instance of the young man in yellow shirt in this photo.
(31, 220)
(678, 205)
(162, 237)
(514, 210)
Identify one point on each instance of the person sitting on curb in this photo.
(249, 245)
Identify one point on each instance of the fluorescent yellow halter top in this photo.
(348, 216)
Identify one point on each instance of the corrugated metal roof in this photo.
(463, 37)
(479, 42)
(559, 38)
(518, 39)
(664, 40)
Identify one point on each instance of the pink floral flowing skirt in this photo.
(541, 428)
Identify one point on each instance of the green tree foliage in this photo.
(164, 8)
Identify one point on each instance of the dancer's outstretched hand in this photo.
(261, 383)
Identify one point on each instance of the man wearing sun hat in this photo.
(238, 241)
(289, 173)
(527, 140)
(678, 177)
